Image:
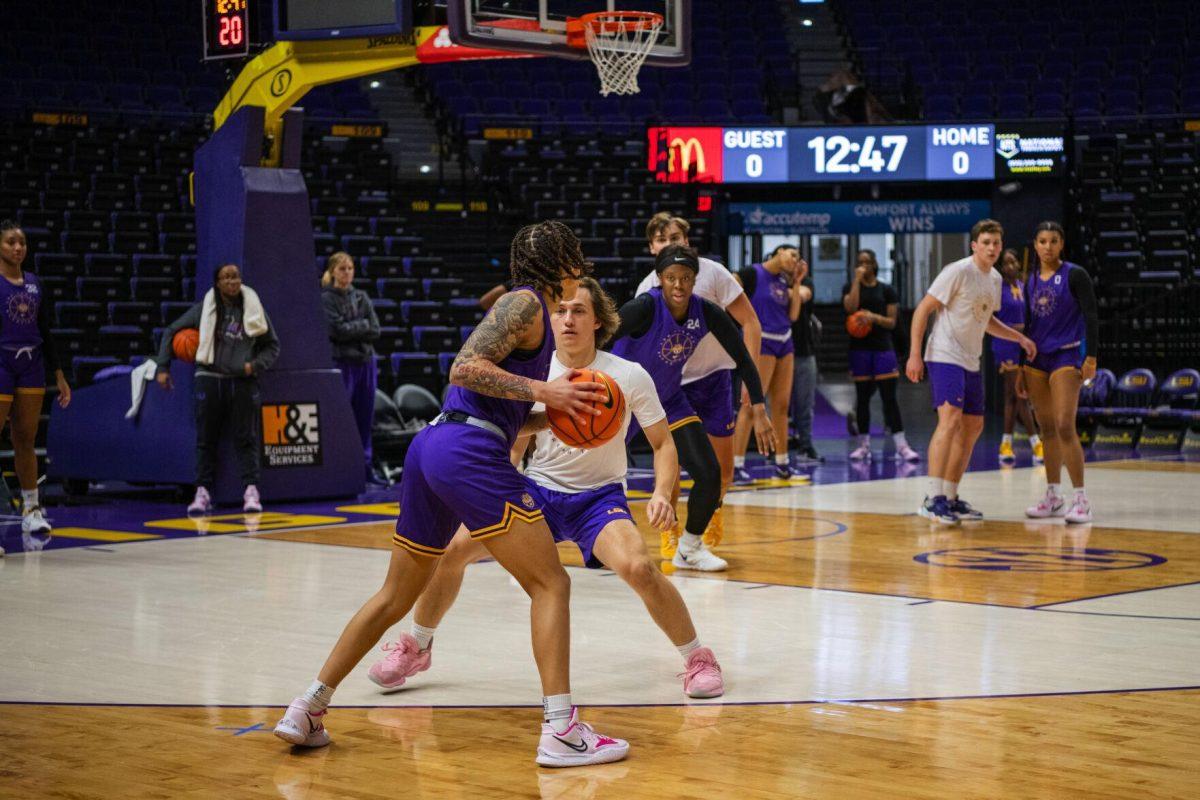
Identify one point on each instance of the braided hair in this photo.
(543, 252)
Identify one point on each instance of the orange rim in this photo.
(616, 21)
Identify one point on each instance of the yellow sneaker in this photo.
(670, 541)
(1006, 452)
(1038, 455)
(715, 531)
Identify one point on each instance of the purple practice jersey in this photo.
(771, 300)
(1055, 319)
(19, 318)
(1012, 305)
(666, 347)
(508, 414)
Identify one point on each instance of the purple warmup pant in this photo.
(360, 380)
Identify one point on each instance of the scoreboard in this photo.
(962, 152)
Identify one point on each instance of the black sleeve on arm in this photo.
(1080, 284)
(49, 353)
(726, 332)
(890, 295)
(636, 318)
(749, 279)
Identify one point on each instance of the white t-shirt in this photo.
(572, 470)
(970, 298)
(716, 284)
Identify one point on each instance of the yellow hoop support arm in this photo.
(279, 76)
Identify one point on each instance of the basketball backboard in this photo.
(540, 26)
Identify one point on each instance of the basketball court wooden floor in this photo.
(867, 654)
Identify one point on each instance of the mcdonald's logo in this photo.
(679, 155)
(687, 150)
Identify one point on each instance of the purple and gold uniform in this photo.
(1056, 321)
(771, 298)
(711, 397)
(1012, 314)
(22, 370)
(662, 351)
(457, 471)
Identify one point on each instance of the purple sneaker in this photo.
(404, 659)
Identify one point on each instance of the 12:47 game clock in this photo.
(226, 29)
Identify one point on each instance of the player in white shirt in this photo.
(965, 296)
(582, 493)
(708, 374)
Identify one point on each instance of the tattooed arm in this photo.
(512, 319)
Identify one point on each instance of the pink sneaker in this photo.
(1051, 505)
(578, 746)
(1081, 511)
(863, 451)
(250, 502)
(906, 453)
(201, 503)
(703, 675)
(301, 727)
(404, 659)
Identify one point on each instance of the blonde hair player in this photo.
(582, 493)
(707, 375)
(965, 296)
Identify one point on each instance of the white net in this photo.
(618, 44)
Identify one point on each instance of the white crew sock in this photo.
(1080, 493)
(318, 697)
(1054, 489)
(686, 650)
(556, 709)
(935, 487)
(690, 542)
(951, 489)
(423, 635)
(739, 462)
(899, 440)
(29, 499)
(1007, 439)
(781, 459)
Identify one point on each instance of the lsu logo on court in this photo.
(291, 434)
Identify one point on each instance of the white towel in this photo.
(254, 321)
(138, 379)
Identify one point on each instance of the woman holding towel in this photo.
(237, 343)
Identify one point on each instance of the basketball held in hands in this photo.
(594, 430)
(858, 325)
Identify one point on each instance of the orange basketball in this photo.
(858, 325)
(596, 430)
(185, 344)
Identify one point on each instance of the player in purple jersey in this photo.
(660, 330)
(707, 376)
(457, 471)
(1008, 360)
(776, 295)
(583, 494)
(1065, 325)
(26, 352)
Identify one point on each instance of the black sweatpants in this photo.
(231, 406)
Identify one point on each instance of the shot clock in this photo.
(828, 155)
(226, 29)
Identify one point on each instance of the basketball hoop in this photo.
(618, 43)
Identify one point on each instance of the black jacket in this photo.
(230, 355)
(353, 325)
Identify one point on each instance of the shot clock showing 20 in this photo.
(226, 29)
(827, 155)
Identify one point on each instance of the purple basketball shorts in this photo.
(459, 474)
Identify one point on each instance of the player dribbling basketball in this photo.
(582, 492)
